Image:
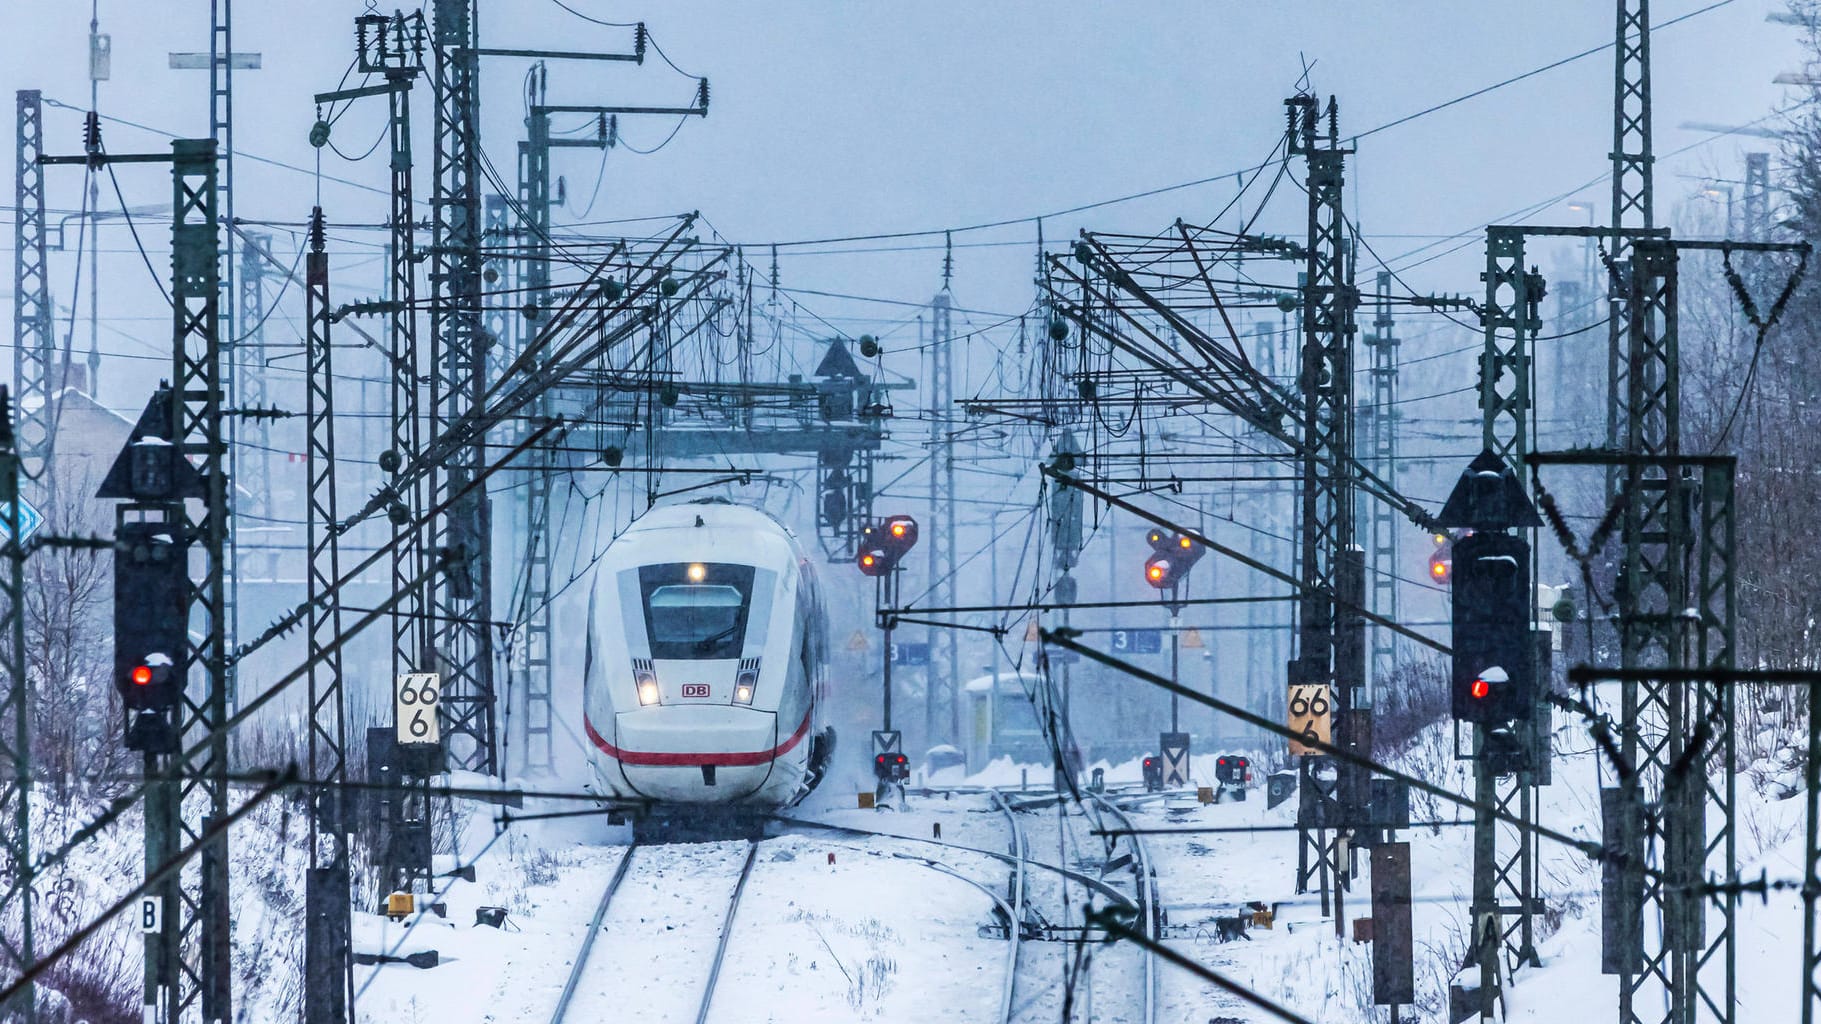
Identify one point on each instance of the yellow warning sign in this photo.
(1191, 638)
(1030, 633)
(858, 642)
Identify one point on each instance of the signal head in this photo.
(900, 534)
(1159, 572)
(874, 561)
(1159, 538)
(142, 675)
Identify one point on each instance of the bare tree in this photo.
(67, 623)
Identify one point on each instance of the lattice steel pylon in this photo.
(1678, 534)
(943, 716)
(327, 888)
(461, 603)
(17, 937)
(1381, 454)
(34, 340)
(1632, 162)
(1326, 498)
(1504, 901)
(196, 413)
(393, 47)
(249, 372)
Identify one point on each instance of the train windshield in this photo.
(696, 610)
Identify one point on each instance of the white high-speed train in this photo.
(706, 662)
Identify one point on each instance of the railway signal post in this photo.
(883, 545)
(1493, 688)
(1172, 556)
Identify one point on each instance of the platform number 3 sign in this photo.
(415, 707)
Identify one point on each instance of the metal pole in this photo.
(882, 591)
(460, 601)
(1175, 665)
(15, 792)
(328, 967)
(34, 343)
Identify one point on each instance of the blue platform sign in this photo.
(909, 655)
(30, 519)
(1135, 641)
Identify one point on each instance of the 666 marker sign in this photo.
(414, 708)
(1309, 707)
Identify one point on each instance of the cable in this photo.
(882, 236)
(1533, 72)
(240, 153)
(136, 242)
(654, 149)
(597, 21)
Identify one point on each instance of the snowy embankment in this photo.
(838, 926)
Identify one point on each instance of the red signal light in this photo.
(142, 675)
(1480, 689)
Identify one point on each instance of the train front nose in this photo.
(697, 754)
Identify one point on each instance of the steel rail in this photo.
(1109, 891)
(720, 949)
(1144, 872)
(1015, 932)
(594, 928)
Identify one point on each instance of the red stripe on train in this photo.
(732, 759)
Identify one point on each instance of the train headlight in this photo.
(743, 686)
(647, 683)
(742, 694)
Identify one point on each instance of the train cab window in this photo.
(696, 610)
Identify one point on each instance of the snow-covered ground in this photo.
(836, 925)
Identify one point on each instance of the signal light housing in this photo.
(874, 561)
(884, 544)
(1493, 678)
(1173, 555)
(900, 535)
(891, 767)
(1158, 572)
(151, 616)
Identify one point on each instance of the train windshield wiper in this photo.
(707, 643)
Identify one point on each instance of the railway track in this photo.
(1020, 852)
(593, 982)
(1144, 874)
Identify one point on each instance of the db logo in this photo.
(695, 689)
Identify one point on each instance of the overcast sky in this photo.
(832, 120)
